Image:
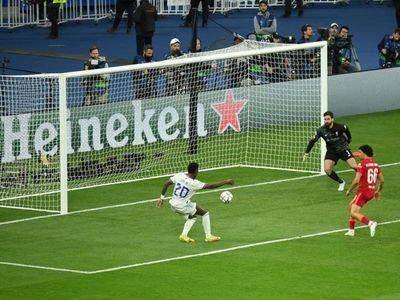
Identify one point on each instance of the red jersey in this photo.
(369, 171)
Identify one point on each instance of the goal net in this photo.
(254, 104)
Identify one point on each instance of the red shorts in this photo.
(360, 198)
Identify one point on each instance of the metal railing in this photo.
(18, 13)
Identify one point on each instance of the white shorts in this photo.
(188, 209)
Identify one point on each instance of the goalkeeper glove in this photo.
(305, 156)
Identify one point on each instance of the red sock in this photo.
(364, 220)
(352, 223)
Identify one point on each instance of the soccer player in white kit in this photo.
(185, 186)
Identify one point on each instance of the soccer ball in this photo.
(226, 197)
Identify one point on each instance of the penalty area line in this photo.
(166, 260)
(29, 266)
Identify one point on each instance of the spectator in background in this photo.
(278, 64)
(264, 22)
(145, 81)
(96, 86)
(308, 62)
(175, 49)
(176, 76)
(343, 54)
(329, 35)
(198, 46)
(199, 77)
(236, 69)
(288, 8)
(122, 5)
(53, 8)
(194, 5)
(145, 17)
(308, 32)
(389, 49)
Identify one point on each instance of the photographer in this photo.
(342, 50)
(329, 35)
(175, 76)
(199, 73)
(96, 86)
(235, 70)
(389, 49)
(279, 65)
(145, 81)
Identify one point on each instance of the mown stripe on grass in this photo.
(153, 200)
(166, 260)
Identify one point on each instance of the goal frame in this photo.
(191, 59)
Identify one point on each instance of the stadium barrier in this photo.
(19, 13)
(353, 93)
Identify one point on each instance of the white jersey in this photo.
(184, 189)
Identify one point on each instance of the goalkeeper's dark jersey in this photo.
(335, 138)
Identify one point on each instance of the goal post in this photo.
(324, 101)
(258, 104)
(63, 130)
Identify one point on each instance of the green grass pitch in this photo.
(282, 238)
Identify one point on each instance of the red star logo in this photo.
(229, 112)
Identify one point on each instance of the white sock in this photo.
(188, 225)
(207, 225)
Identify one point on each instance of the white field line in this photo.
(154, 262)
(203, 192)
(6, 263)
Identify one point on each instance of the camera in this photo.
(390, 59)
(342, 43)
(323, 33)
(391, 55)
(288, 39)
(387, 64)
(96, 63)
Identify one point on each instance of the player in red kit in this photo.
(368, 173)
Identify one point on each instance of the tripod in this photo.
(355, 56)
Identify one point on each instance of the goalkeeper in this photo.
(337, 137)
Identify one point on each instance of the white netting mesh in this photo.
(257, 110)
(30, 176)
